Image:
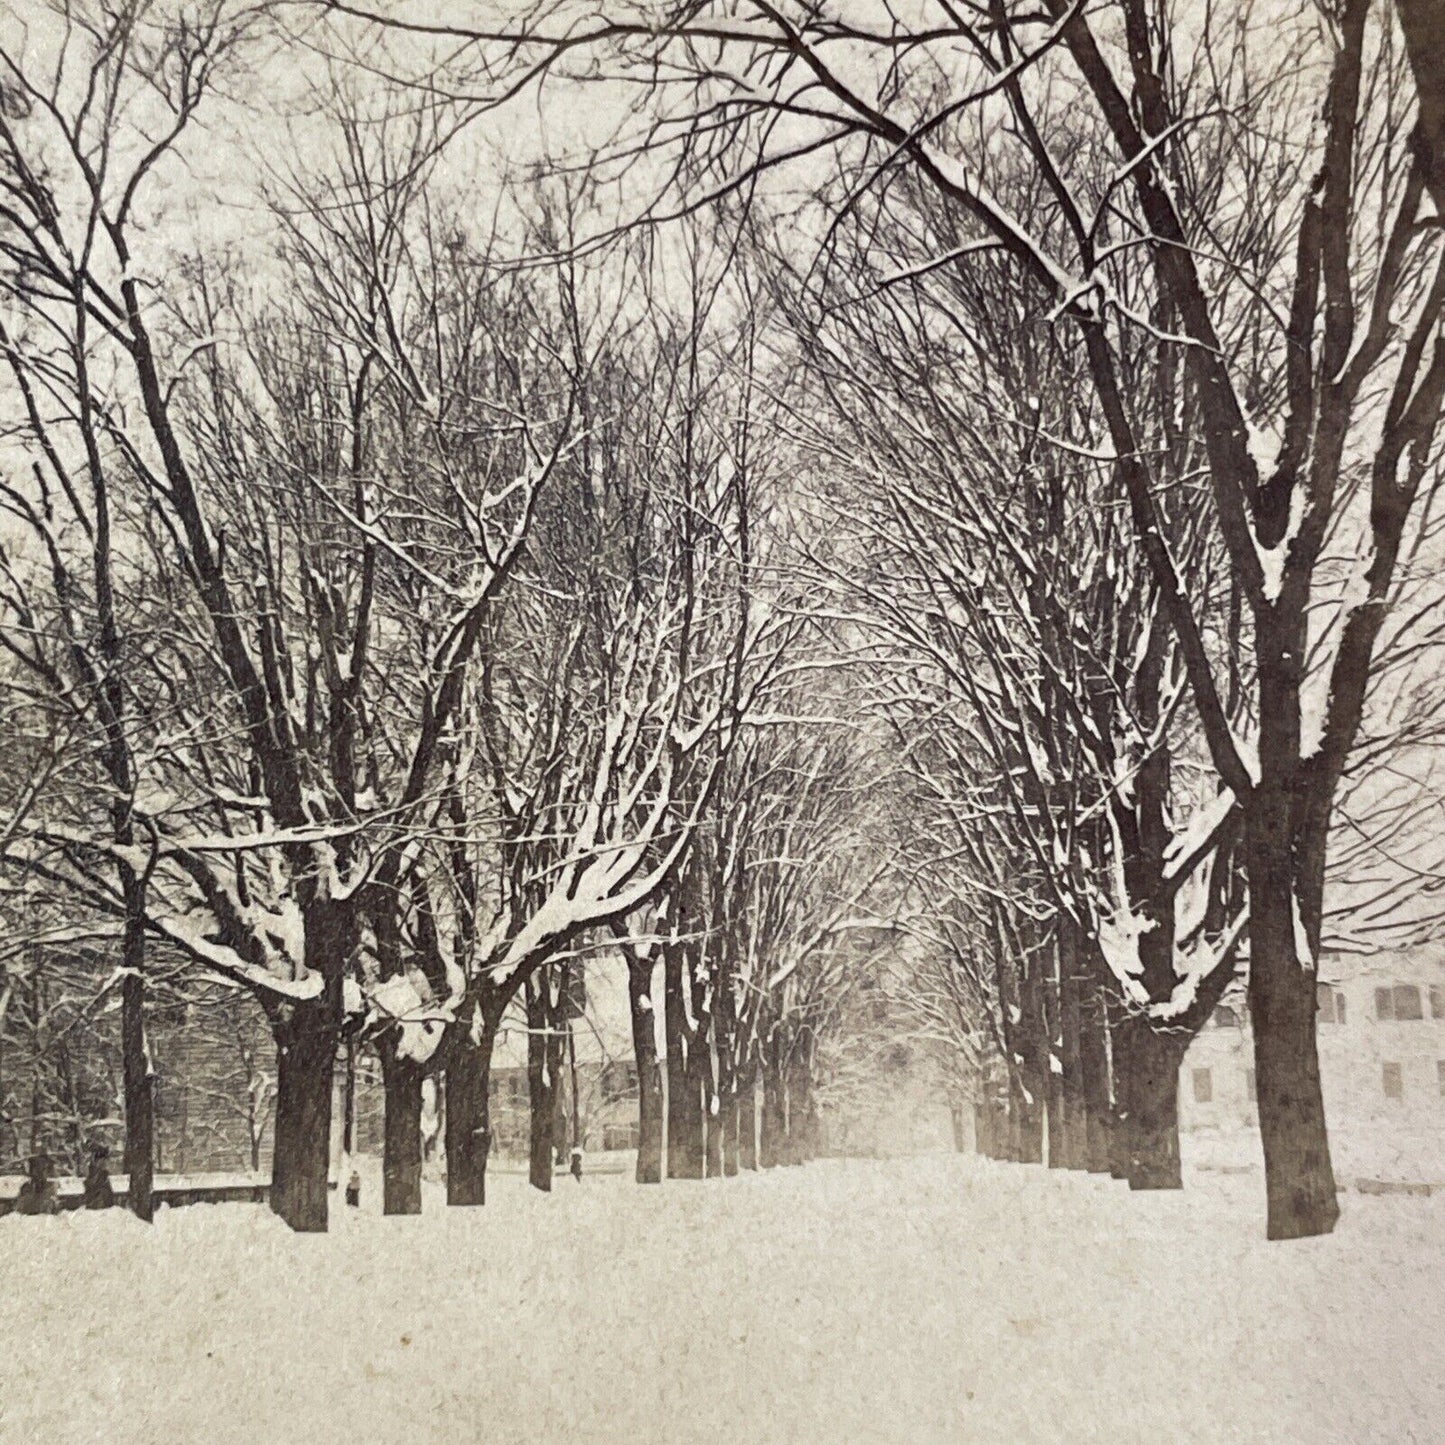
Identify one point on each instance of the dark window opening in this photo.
(1394, 1082)
(1401, 1003)
(1203, 1087)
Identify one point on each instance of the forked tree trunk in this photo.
(301, 1156)
(138, 1080)
(401, 1080)
(467, 1128)
(649, 1071)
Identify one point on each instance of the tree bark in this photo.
(1094, 1078)
(138, 1080)
(748, 1120)
(468, 1123)
(711, 1108)
(1120, 1079)
(772, 1138)
(401, 1142)
(301, 1156)
(649, 1072)
(1151, 1125)
(1423, 25)
(1029, 1077)
(1299, 1176)
(541, 1083)
(684, 1105)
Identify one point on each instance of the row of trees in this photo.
(384, 639)
(1220, 240)
(393, 628)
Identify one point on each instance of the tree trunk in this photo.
(138, 1080)
(1299, 1176)
(1152, 1122)
(649, 1072)
(1028, 1078)
(1120, 1042)
(773, 1134)
(348, 1101)
(711, 1109)
(468, 1126)
(748, 1120)
(301, 1157)
(684, 1105)
(401, 1143)
(1094, 1078)
(541, 1084)
(729, 1130)
(800, 1106)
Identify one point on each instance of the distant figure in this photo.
(37, 1195)
(98, 1193)
(577, 1165)
(353, 1190)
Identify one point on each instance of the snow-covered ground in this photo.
(933, 1299)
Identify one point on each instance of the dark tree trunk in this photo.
(748, 1120)
(711, 1107)
(301, 1157)
(401, 1143)
(348, 1101)
(684, 1105)
(1120, 1042)
(1151, 1125)
(772, 1139)
(1064, 1095)
(468, 1126)
(1029, 1077)
(138, 1080)
(541, 1084)
(801, 1114)
(649, 1072)
(1299, 1176)
(1094, 1078)
(729, 1126)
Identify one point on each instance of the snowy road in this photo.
(939, 1299)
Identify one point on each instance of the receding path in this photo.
(936, 1299)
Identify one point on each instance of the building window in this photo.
(1330, 1004)
(1437, 1001)
(1226, 1017)
(1394, 1082)
(1402, 1002)
(1440, 1069)
(1203, 1087)
(1250, 1087)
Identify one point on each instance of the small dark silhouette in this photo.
(353, 1190)
(577, 1165)
(37, 1195)
(98, 1191)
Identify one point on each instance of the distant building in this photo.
(1381, 1030)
